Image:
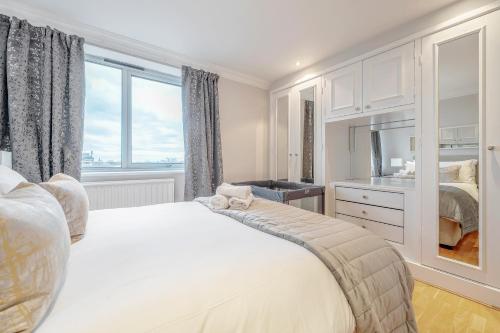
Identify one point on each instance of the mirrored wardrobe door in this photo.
(453, 115)
(283, 153)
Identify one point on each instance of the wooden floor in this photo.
(466, 250)
(440, 311)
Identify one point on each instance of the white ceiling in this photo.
(261, 38)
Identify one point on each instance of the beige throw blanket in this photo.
(373, 275)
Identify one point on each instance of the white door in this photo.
(457, 60)
(342, 91)
(389, 79)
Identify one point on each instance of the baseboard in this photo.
(473, 290)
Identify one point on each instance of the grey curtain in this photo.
(376, 154)
(202, 143)
(308, 143)
(42, 99)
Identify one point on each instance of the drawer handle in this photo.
(363, 227)
(364, 212)
(365, 197)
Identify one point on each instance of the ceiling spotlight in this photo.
(297, 63)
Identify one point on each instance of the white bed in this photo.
(181, 268)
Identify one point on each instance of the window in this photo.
(133, 118)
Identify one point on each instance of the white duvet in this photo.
(181, 268)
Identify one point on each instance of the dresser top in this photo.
(381, 183)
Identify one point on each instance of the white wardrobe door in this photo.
(342, 94)
(487, 32)
(389, 79)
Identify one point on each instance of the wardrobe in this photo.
(436, 94)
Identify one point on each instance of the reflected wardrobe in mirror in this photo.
(458, 115)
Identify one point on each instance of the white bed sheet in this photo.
(181, 268)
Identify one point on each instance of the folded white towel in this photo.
(240, 204)
(228, 190)
(218, 201)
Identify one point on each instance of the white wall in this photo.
(459, 111)
(244, 119)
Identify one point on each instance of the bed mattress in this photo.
(182, 268)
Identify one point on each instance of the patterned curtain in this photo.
(41, 99)
(308, 143)
(376, 154)
(202, 144)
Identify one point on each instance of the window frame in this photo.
(129, 71)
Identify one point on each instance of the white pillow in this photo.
(34, 253)
(467, 172)
(74, 201)
(9, 179)
(449, 174)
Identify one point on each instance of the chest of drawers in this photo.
(381, 212)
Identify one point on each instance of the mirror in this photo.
(307, 135)
(458, 118)
(393, 149)
(282, 136)
(383, 148)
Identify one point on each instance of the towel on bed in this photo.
(228, 190)
(240, 204)
(218, 201)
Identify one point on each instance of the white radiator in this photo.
(129, 193)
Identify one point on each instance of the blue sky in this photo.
(156, 117)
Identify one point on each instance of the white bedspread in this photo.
(181, 268)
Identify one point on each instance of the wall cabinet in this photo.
(381, 82)
(459, 135)
(388, 79)
(342, 90)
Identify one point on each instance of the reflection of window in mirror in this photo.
(393, 151)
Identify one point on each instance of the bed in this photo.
(175, 278)
(184, 268)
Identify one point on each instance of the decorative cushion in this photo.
(467, 171)
(9, 179)
(449, 174)
(34, 251)
(74, 201)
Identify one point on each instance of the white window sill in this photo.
(93, 176)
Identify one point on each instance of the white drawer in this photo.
(381, 214)
(369, 197)
(386, 231)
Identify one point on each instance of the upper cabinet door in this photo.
(389, 79)
(342, 94)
